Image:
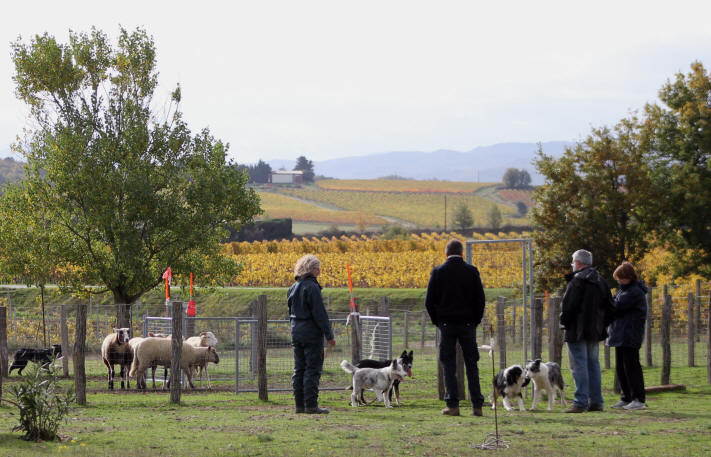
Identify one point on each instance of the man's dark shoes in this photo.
(454, 411)
(595, 408)
(575, 409)
(316, 410)
(477, 411)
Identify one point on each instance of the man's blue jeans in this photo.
(586, 373)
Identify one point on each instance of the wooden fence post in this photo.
(708, 340)
(697, 321)
(422, 330)
(176, 351)
(513, 324)
(262, 347)
(537, 312)
(501, 331)
(648, 330)
(460, 373)
(666, 337)
(78, 355)
(3, 342)
(555, 342)
(691, 332)
(355, 338)
(253, 339)
(405, 328)
(440, 371)
(66, 350)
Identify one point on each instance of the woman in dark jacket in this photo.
(309, 327)
(626, 335)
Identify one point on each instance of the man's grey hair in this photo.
(583, 256)
(306, 265)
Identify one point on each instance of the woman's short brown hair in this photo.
(625, 271)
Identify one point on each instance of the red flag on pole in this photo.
(191, 302)
(168, 276)
(350, 286)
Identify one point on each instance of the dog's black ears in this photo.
(537, 360)
(410, 354)
(394, 364)
(404, 354)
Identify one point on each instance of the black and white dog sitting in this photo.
(42, 356)
(380, 380)
(406, 359)
(508, 384)
(546, 376)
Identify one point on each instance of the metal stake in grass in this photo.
(492, 441)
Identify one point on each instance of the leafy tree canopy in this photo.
(515, 178)
(592, 198)
(122, 191)
(677, 143)
(462, 217)
(307, 166)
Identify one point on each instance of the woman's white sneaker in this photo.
(620, 404)
(634, 404)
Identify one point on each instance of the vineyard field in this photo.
(419, 209)
(401, 185)
(374, 263)
(517, 195)
(278, 206)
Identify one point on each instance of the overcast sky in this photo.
(327, 79)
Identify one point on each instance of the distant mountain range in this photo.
(484, 163)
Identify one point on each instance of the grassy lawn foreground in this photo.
(224, 424)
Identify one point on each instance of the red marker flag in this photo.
(350, 286)
(168, 276)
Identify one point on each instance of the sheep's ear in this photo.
(116, 330)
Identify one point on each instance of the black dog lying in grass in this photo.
(405, 358)
(43, 356)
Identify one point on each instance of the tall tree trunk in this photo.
(44, 324)
(123, 310)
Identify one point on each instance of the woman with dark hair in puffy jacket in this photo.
(626, 335)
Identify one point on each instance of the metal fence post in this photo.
(422, 334)
(501, 331)
(405, 328)
(236, 355)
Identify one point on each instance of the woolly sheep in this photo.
(116, 351)
(133, 343)
(158, 351)
(203, 340)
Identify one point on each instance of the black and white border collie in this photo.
(546, 376)
(508, 384)
(380, 380)
(406, 359)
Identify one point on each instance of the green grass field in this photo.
(225, 424)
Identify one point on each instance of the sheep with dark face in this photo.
(115, 350)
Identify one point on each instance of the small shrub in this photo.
(42, 403)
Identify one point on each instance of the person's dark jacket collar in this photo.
(306, 277)
(587, 274)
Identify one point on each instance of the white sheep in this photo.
(158, 350)
(133, 343)
(116, 351)
(203, 340)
